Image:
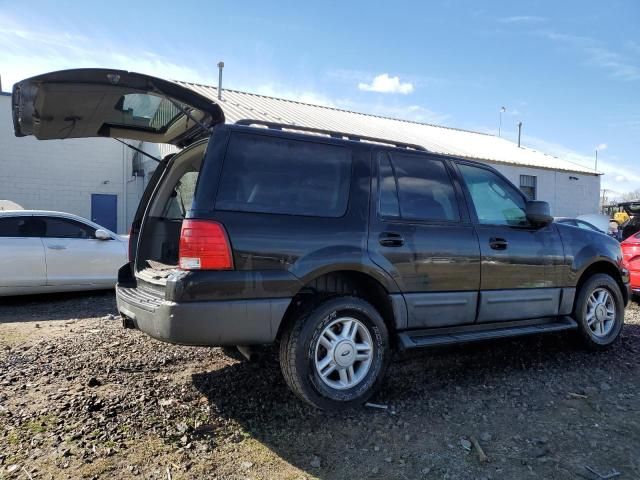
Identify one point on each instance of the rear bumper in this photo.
(208, 323)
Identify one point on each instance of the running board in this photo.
(473, 333)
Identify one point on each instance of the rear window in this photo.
(274, 175)
(145, 111)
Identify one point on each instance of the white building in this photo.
(102, 180)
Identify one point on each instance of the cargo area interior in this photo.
(157, 253)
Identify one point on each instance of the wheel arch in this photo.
(357, 282)
(606, 267)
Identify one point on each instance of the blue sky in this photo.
(570, 71)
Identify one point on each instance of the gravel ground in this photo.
(80, 397)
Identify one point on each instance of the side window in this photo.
(65, 228)
(586, 226)
(26, 226)
(496, 201)
(275, 175)
(12, 226)
(388, 193)
(181, 198)
(425, 189)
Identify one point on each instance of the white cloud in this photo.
(601, 146)
(597, 55)
(383, 83)
(27, 52)
(522, 19)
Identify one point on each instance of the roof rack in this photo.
(331, 133)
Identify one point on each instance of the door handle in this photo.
(391, 239)
(498, 243)
(56, 247)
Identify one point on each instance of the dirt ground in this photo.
(80, 397)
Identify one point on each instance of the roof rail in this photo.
(331, 133)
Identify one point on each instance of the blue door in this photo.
(104, 210)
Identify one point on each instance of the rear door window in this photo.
(425, 189)
(25, 226)
(12, 226)
(275, 175)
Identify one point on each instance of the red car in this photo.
(631, 260)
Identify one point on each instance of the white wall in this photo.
(569, 194)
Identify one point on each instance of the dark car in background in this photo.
(576, 222)
(631, 226)
(339, 248)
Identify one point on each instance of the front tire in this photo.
(335, 354)
(599, 311)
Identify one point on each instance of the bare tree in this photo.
(635, 195)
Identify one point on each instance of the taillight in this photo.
(204, 246)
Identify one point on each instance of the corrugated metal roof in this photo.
(239, 105)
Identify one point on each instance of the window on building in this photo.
(276, 175)
(528, 185)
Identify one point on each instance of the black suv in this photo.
(338, 248)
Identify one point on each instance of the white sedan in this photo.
(44, 252)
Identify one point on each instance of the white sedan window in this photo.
(24, 226)
(66, 228)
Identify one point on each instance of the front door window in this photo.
(495, 201)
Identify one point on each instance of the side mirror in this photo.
(102, 234)
(538, 213)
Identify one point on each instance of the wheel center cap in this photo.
(601, 312)
(344, 353)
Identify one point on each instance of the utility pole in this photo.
(519, 132)
(596, 167)
(502, 110)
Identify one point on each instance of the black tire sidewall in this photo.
(598, 281)
(319, 392)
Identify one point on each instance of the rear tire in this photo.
(599, 311)
(334, 356)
